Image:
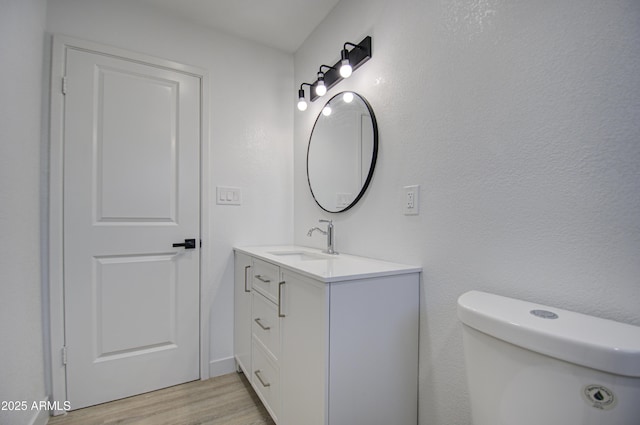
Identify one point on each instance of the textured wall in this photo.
(21, 354)
(519, 120)
(250, 121)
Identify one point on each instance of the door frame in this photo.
(56, 331)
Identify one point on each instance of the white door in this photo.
(131, 190)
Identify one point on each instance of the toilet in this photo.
(529, 364)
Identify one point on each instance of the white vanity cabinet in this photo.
(341, 346)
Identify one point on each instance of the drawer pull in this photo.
(259, 376)
(262, 279)
(259, 322)
(245, 278)
(280, 313)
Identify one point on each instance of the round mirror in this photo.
(342, 152)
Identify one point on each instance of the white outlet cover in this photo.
(411, 200)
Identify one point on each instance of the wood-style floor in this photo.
(224, 400)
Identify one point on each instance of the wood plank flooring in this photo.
(224, 400)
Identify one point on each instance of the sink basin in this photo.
(300, 255)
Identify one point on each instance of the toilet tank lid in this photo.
(589, 341)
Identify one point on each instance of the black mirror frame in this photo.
(374, 155)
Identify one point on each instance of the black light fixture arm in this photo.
(301, 91)
(357, 46)
(326, 66)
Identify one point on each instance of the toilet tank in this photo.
(529, 364)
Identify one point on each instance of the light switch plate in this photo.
(228, 195)
(411, 200)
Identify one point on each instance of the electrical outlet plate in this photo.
(411, 200)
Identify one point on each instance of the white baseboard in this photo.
(40, 417)
(222, 366)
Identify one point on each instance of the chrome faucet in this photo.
(329, 233)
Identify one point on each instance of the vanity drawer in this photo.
(266, 380)
(265, 279)
(266, 324)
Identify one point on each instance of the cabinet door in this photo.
(374, 351)
(242, 313)
(304, 351)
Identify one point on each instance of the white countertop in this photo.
(324, 267)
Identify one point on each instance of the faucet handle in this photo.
(325, 221)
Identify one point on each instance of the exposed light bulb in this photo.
(345, 69)
(326, 111)
(321, 89)
(347, 97)
(302, 103)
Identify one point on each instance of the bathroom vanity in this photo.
(328, 339)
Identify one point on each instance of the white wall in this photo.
(22, 25)
(519, 120)
(250, 131)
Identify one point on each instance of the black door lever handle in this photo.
(188, 244)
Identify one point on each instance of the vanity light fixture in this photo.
(302, 102)
(326, 111)
(347, 97)
(350, 60)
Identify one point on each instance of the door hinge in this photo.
(64, 355)
(64, 85)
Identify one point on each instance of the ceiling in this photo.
(283, 24)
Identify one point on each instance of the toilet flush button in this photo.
(599, 396)
(544, 314)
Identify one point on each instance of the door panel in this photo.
(123, 192)
(148, 281)
(131, 190)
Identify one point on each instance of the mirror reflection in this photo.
(342, 152)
